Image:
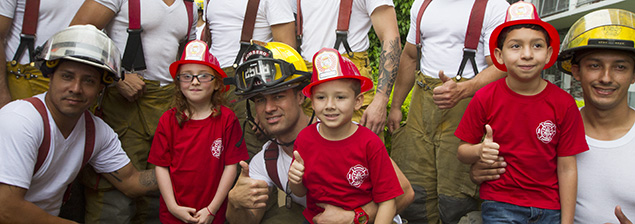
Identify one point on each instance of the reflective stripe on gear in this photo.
(425, 149)
(25, 80)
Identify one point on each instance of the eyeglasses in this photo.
(202, 77)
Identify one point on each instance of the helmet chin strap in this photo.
(251, 119)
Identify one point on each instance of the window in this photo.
(583, 2)
(550, 7)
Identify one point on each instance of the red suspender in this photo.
(343, 21)
(298, 19)
(29, 27)
(271, 162)
(43, 151)
(45, 146)
(133, 58)
(423, 8)
(249, 21)
(190, 12)
(46, 141)
(472, 35)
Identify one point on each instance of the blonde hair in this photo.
(183, 107)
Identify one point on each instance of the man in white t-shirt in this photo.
(255, 198)
(604, 63)
(133, 106)
(319, 23)
(425, 146)
(52, 17)
(79, 68)
(274, 22)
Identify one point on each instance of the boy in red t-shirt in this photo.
(336, 161)
(532, 123)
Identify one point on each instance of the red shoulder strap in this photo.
(298, 19)
(423, 8)
(271, 162)
(344, 15)
(249, 21)
(343, 21)
(247, 30)
(89, 146)
(472, 35)
(475, 25)
(29, 27)
(43, 151)
(189, 4)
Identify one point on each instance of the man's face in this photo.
(278, 113)
(605, 76)
(73, 89)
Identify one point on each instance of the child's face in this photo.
(334, 102)
(201, 87)
(524, 53)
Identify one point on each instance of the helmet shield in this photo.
(84, 44)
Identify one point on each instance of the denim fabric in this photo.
(500, 212)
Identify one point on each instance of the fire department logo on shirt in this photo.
(545, 131)
(217, 148)
(356, 175)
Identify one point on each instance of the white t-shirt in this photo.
(258, 170)
(605, 179)
(163, 28)
(21, 131)
(443, 28)
(53, 17)
(320, 22)
(226, 22)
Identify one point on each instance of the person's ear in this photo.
(300, 97)
(575, 72)
(359, 101)
(498, 55)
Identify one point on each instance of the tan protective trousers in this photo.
(135, 123)
(425, 149)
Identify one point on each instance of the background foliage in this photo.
(402, 8)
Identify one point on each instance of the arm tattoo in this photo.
(388, 64)
(114, 175)
(148, 178)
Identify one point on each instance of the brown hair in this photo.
(183, 108)
(503, 34)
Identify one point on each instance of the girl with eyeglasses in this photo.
(194, 147)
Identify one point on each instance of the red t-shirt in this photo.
(196, 156)
(348, 173)
(532, 132)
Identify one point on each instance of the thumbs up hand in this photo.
(245, 169)
(447, 95)
(489, 148)
(248, 193)
(297, 169)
